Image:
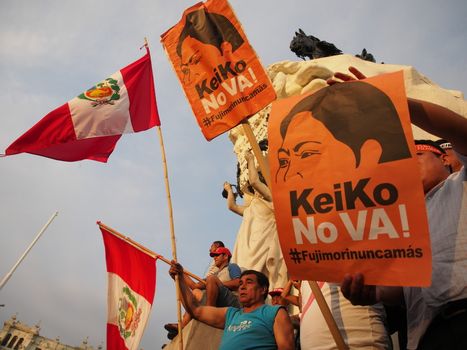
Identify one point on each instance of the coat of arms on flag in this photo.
(131, 287)
(103, 93)
(129, 314)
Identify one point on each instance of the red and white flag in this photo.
(89, 126)
(131, 287)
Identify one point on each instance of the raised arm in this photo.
(193, 285)
(231, 203)
(440, 121)
(212, 316)
(432, 118)
(293, 299)
(283, 331)
(253, 178)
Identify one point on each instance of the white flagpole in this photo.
(8, 275)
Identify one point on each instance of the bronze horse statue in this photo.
(310, 46)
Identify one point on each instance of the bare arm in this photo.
(293, 299)
(254, 180)
(232, 284)
(212, 316)
(432, 118)
(283, 331)
(231, 204)
(358, 293)
(193, 285)
(441, 122)
(287, 288)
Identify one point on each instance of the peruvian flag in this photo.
(131, 287)
(89, 126)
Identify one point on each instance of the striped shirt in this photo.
(446, 206)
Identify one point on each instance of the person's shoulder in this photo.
(270, 312)
(232, 309)
(271, 309)
(234, 270)
(212, 269)
(233, 266)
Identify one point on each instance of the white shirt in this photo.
(362, 327)
(446, 205)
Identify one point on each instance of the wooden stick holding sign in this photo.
(263, 165)
(323, 306)
(172, 236)
(172, 230)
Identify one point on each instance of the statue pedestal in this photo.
(197, 335)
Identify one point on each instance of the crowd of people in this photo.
(428, 318)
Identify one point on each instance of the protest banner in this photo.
(346, 188)
(218, 69)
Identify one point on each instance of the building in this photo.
(19, 336)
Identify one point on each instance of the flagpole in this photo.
(172, 234)
(172, 230)
(10, 273)
(264, 167)
(143, 249)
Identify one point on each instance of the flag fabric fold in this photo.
(89, 125)
(131, 288)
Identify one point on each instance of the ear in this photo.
(445, 159)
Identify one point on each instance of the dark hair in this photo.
(239, 189)
(440, 141)
(262, 280)
(263, 145)
(339, 108)
(235, 190)
(219, 243)
(261, 177)
(431, 143)
(209, 28)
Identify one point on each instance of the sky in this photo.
(51, 51)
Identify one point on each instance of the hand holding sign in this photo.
(345, 77)
(354, 289)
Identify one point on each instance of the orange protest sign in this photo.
(220, 73)
(346, 189)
